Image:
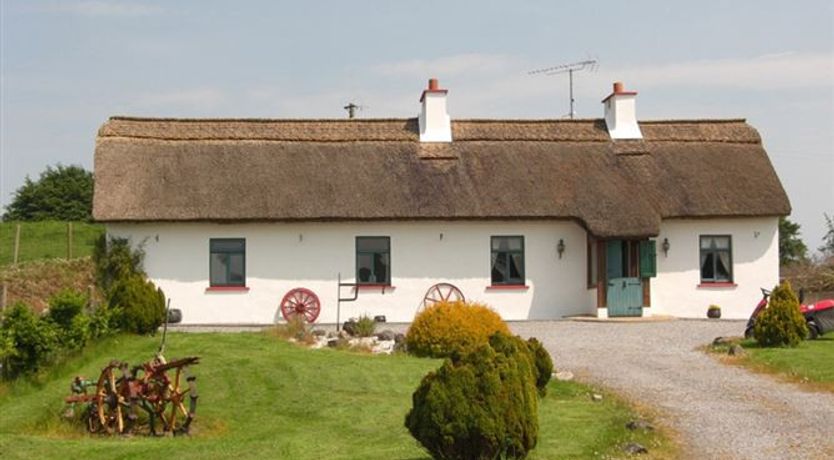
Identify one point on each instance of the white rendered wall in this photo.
(281, 256)
(677, 289)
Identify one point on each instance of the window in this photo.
(227, 263)
(507, 261)
(716, 259)
(373, 260)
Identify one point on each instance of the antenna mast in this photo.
(589, 64)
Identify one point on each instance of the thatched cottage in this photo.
(538, 218)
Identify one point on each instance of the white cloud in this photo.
(103, 8)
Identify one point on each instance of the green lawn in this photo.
(811, 361)
(47, 240)
(264, 398)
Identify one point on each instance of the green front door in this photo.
(624, 294)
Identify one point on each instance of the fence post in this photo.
(16, 244)
(69, 240)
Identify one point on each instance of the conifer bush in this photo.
(447, 327)
(781, 324)
(543, 364)
(480, 404)
(141, 303)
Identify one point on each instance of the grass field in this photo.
(47, 240)
(264, 398)
(812, 362)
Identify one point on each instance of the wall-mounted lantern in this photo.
(665, 246)
(560, 248)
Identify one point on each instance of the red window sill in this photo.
(227, 289)
(508, 287)
(374, 287)
(717, 285)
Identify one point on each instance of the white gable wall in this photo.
(677, 289)
(282, 256)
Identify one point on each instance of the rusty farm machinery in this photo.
(157, 397)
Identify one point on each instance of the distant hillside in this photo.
(47, 240)
(35, 282)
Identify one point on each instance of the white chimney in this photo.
(620, 114)
(435, 124)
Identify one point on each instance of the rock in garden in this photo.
(319, 332)
(735, 350)
(634, 448)
(596, 397)
(349, 327)
(563, 376)
(383, 347)
(639, 425)
(726, 340)
(399, 338)
(386, 335)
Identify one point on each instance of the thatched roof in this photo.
(300, 170)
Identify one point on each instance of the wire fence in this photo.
(26, 241)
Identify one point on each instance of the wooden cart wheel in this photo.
(442, 292)
(301, 302)
(108, 402)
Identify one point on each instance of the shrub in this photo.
(33, 341)
(115, 260)
(141, 303)
(542, 364)
(66, 312)
(446, 327)
(296, 328)
(365, 326)
(781, 323)
(480, 404)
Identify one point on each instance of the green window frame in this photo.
(227, 262)
(716, 258)
(506, 263)
(373, 260)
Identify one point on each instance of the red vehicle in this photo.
(819, 316)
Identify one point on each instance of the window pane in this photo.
(516, 267)
(381, 268)
(217, 268)
(372, 244)
(499, 267)
(236, 269)
(707, 266)
(507, 243)
(221, 245)
(515, 243)
(499, 244)
(722, 242)
(364, 267)
(706, 242)
(722, 266)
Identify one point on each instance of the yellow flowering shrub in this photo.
(445, 327)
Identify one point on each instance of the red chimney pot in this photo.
(433, 84)
(618, 87)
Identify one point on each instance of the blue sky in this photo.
(68, 65)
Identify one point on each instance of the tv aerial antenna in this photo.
(590, 65)
(352, 108)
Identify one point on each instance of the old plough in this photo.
(157, 397)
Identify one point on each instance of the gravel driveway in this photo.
(719, 411)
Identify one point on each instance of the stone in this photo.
(736, 350)
(639, 425)
(336, 342)
(383, 347)
(596, 397)
(563, 376)
(386, 335)
(349, 326)
(726, 340)
(319, 332)
(399, 337)
(634, 448)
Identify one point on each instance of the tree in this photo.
(791, 247)
(61, 193)
(827, 247)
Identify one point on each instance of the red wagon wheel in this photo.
(303, 302)
(442, 292)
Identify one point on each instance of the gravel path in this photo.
(720, 411)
